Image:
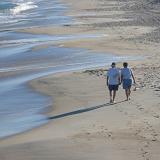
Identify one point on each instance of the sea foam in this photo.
(22, 7)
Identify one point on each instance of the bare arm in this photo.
(107, 80)
(133, 77)
(121, 78)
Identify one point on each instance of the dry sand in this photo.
(87, 127)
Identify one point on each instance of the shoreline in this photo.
(125, 130)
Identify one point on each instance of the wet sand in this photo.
(82, 124)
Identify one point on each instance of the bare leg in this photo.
(127, 94)
(114, 95)
(110, 92)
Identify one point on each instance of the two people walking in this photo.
(116, 76)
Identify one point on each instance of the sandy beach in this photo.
(82, 124)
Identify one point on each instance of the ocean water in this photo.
(29, 13)
(22, 59)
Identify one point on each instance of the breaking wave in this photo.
(21, 7)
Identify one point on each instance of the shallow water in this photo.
(22, 59)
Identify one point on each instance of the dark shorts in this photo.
(127, 83)
(113, 87)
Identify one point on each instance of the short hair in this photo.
(125, 64)
(113, 64)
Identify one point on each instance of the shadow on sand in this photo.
(82, 110)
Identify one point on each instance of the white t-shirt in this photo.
(113, 75)
(126, 73)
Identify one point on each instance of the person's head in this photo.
(125, 64)
(113, 64)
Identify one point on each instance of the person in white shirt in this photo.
(113, 81)
(126, 78)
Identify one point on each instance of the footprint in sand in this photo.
(145, 153)
(156, 116)
(154, 134)
(109, 134)
(105, 132)
(146, 145)
(139, 107)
